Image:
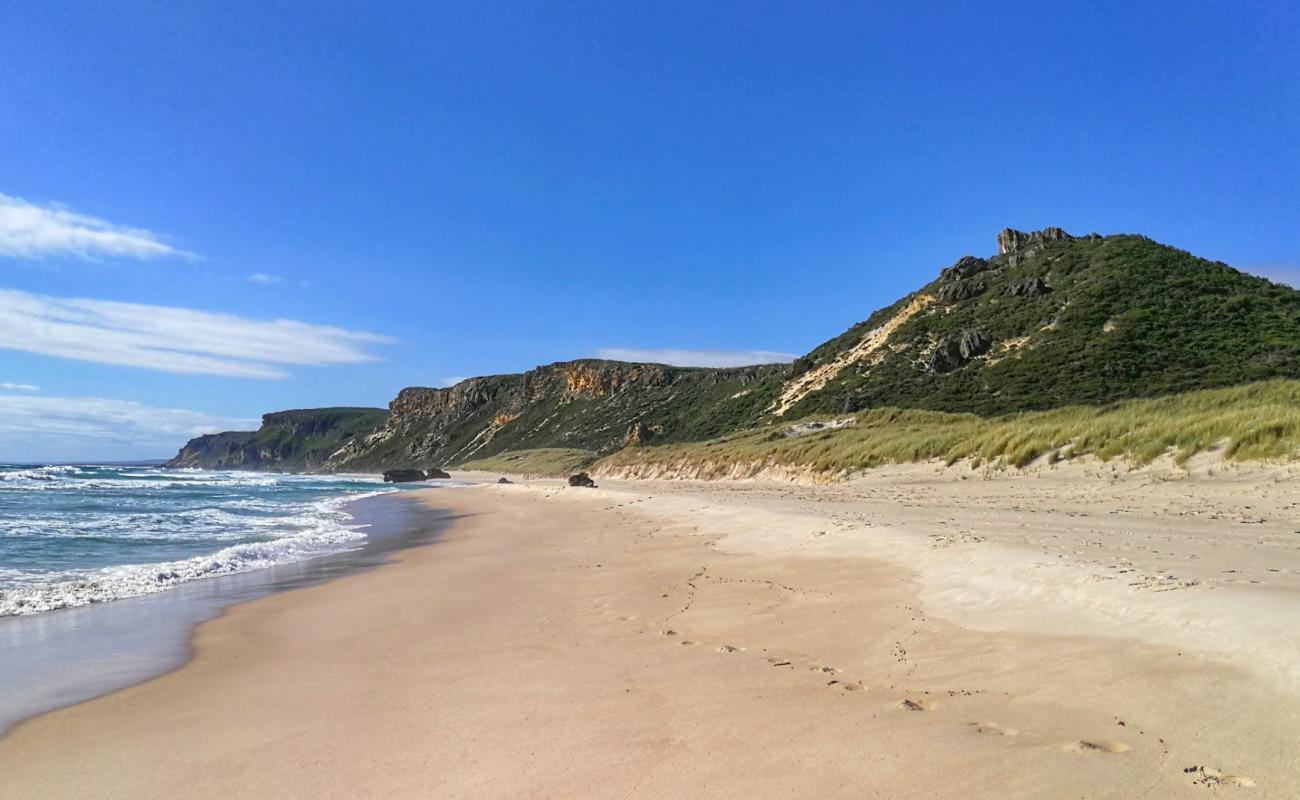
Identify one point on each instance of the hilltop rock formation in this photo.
(1010, 240)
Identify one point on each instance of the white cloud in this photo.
(31, 231)
(170, 339)
(19, 387)
(264, 279)
(69, 428)
(695, 358)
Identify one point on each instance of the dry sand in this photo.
(1080, 633)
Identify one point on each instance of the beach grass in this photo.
(1252, 421)
(546, 462)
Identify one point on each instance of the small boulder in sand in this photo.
(582, 479)
(504, 480)
(403, 475)
(435, 474)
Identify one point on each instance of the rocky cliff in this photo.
(288, 441)
(588, 404)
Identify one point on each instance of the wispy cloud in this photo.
(170, 339)
(28, 230)
(64, 428)
(19, 387)
(695, 358)
(264, 279)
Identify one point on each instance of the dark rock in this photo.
(403, 475)
(955, 292)
(504, 480)
(1033, 287)
(965, 267)
(956, 350)
(582, 479)
(435, 474)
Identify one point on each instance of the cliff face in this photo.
(214, 451)
(587, 404)
(288, 441)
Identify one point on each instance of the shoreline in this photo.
(651, 640)
(61, 658)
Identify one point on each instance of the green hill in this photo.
(1053, 320)
(1049, 321)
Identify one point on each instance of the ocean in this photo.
(75, 535)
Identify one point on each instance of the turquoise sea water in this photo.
(75, 535)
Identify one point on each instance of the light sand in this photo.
(911, 634)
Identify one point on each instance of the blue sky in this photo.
(424, 191)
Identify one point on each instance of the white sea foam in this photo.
(321, 528)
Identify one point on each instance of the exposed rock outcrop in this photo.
(965, 267)
(1033, 287)
(435, 474)
(956, 351)
(956, 292)
(1011, 240)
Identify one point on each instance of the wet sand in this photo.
(892, 638)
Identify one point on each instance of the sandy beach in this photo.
(1081, 632)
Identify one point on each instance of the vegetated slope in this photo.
(1254, 421)
(1051, 320)
(589, 405)
(288, 441)
(1054, 320)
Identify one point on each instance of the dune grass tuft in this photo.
(1252, 421)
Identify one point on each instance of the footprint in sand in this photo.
(993, 729)
(1208, 776)
(916, 705)
(1096, 746)
(726, 648)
